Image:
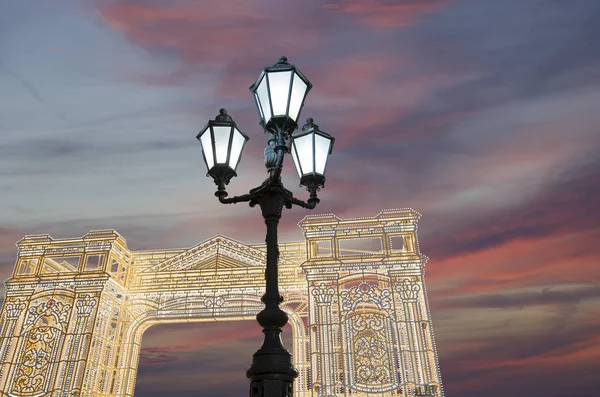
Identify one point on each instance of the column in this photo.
(414, 327)
(325, 350)
(408, 290)
(13, 308)
(76, 355)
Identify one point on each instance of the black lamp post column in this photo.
(272, 373)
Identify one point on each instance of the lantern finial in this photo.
(223, 116)
(310, 123)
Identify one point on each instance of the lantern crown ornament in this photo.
(222, 144)
(279, 94)
(310, 149)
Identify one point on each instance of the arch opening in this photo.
(208, 355)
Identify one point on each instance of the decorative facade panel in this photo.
(76, 309)
(369, 333)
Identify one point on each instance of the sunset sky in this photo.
(482, 115)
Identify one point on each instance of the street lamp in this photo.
(310, 149)
(222, 145)
(279, 95)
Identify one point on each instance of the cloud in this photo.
(519, 263)
(545, 296)
(8, 251)
(519, 360)
(160, 355)
(33, 91)
(573, 193)
(385, 13)
(518, 336)
(209, 36)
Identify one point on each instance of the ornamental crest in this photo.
(52, 311)
(365, 294)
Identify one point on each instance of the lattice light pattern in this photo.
(76, 309)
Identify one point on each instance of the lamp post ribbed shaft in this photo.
(272, 373)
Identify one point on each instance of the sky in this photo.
(482, 115)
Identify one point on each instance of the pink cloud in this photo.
(385, 14)
(578, 353)
(521, 262)
(210, 36)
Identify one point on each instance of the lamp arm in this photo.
(221, 193)
(235, 199)
(310, 204)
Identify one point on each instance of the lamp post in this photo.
(279, 94)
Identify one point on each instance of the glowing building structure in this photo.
(76, 309)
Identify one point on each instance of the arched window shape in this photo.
(43, 339)
(368, 333)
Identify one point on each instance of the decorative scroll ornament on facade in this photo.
(212, 302)
(50, 312)
(369, 332)
(408, 289)
(46, 324)
(365, 293)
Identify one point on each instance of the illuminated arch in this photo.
(353, 290)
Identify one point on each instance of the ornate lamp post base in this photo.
(271, 373)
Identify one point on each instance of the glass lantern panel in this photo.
(279, 85)
(321, 152)
(263, 97)
(262, 115)
(298, 92)
(207, 149)
(237, 144)
(304, 148)
(221, 143)
(296, 163)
